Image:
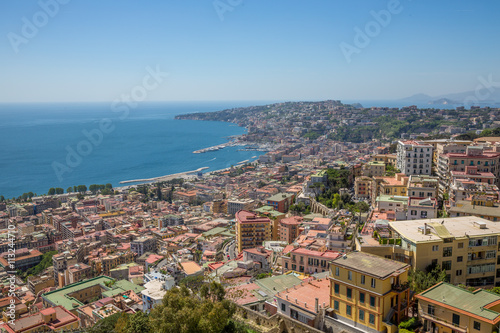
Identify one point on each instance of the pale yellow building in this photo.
(369, 292)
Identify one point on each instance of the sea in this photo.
(44, 145)
(62, 145)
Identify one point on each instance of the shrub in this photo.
(408, 325)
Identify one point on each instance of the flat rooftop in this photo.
(457, 227)
(370, 264)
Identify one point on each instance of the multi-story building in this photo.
(448, 308)
(414, 157)
(281, 201)
(251, 229)
(307, 261)
(37, 283)
(465, 189)
(23, 259)
(423, 186)
(369, 292)
(465, 247)
(483, 206)
(234, 205)
(485, 161)
(362, 187)
(374, 169)
(289, 228)
(421, 208)
(142, 245)
(61, 262)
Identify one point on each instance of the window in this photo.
(447, 251)
(460, 245)
(477, 325)
(372, 301)
(447, 265)
(460, 259)
(371, 319)
(413, 212)
(348, 310)
(435, 247)
(456, 319)
(459, 272)
(362, 279)
(349, 293)
(337, 288)
(430, 309)
(362, 315)
(349, 275)
(362, 297)
(373, 283)
(283, 307)
(286, 264)
(336, 305)
(337, 271)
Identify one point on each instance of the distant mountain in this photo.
(483, 96)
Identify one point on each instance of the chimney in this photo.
(316, 302)
(305, 305)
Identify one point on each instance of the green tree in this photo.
(138, 322)
(109, 186)
(82, 188)
(52, 191)
(106, 325)
(180, 312)
(420, 280)
(2, 198)
(59, 190)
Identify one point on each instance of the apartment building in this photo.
(419, 208)
(448, 308)
(466, 247)
(234, 205)
(373, 169)
(142, 245)
(414, 157)
(483, 206)
(485, 161)
(362, 187)
(251, 229)
(289, 228)
(307, 261)
(423, 186)
(369, 292)
(281, 201)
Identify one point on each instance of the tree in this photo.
(2, 198)
(52, 191)
(180, 312)
(109, 186)
(59, 190)
(420, 280)
(138, 322)
(82, 188)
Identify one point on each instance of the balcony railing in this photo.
(444, 322)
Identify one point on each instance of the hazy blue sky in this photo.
(259, 50)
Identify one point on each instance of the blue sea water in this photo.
(35, 140)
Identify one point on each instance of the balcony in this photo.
(444, 322)
(400, 287)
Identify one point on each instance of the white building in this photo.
(152, 295)
(414, 157)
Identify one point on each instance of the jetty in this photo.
(163, 178)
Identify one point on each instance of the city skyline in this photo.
(68, 51)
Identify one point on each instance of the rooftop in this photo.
(370, 264)
(475, 303)
(457, 227)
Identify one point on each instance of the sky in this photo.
(214, 50)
